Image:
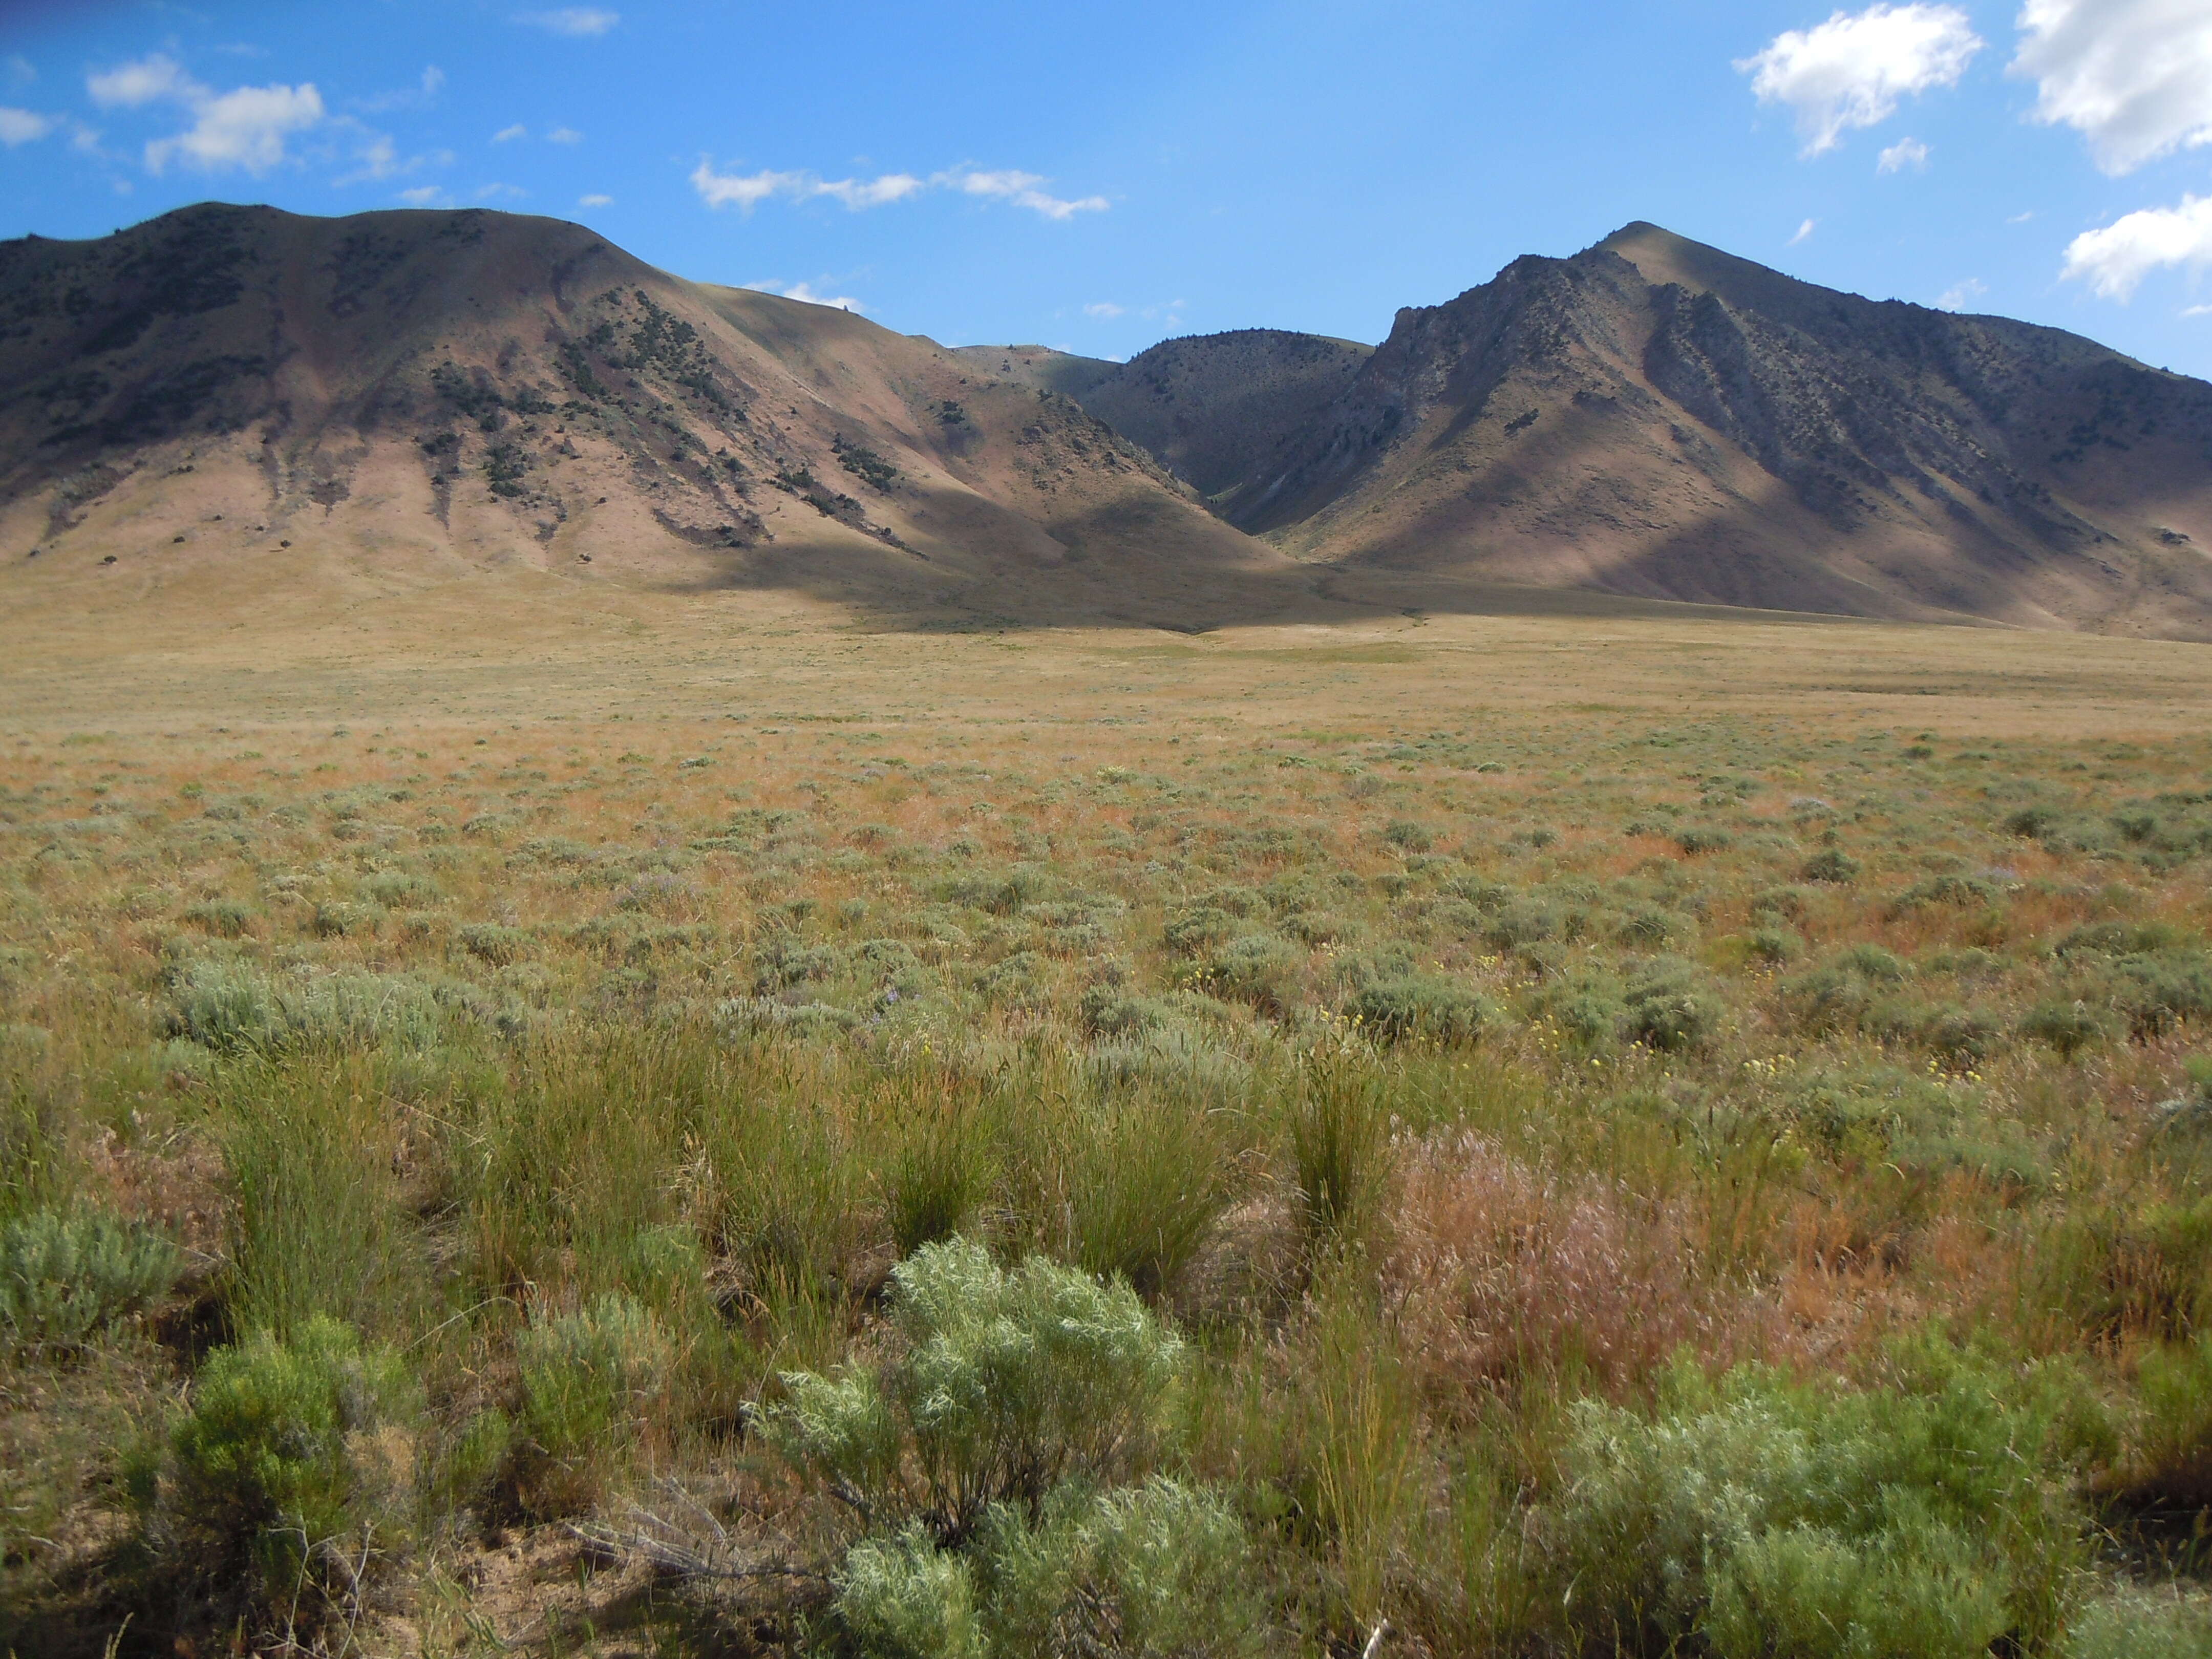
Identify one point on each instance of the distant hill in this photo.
(415, 393)
(1655, 417)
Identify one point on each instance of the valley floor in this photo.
(560, 1119)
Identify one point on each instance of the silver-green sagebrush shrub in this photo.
(1002, 1383)
(1762, 1517)
(67, 1275)
(290, 1479)
(234, 1007)
(1155, 1569)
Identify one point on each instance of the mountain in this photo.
(403, 398)
(408, 395)
(1214, 408)
(1655, 418)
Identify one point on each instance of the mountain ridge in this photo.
(1654, 416)
(415, 393)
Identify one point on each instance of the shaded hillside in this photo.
(1221, 410)
(405, 391)
(1654, 417)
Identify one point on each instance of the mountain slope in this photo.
(1655, 417)
(412, 393)
(1215, 409)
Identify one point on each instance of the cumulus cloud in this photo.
(422, 196)
(1960, 295)
(132, 85)
(1105, 311)
(595, 200)
(23, 126)
(506, 135)
(805, 291)
(746, 191)
(578, 22)
(1905, 153)
(2114, 260)
(243, 128)
(2133, 77)
(1804, 231)
(564, 136)
(1852, 71)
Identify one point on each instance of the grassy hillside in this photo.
(607, 1122)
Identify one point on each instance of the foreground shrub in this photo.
(1774, 1518)
(1001, 1384)
(66, 1275)
(233, 1007)
(1152, 1570)
(589, 1381)
(288, 1480)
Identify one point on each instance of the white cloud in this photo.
(1105, 311)
(1851, 70)
(1021, 189)
(564, 136)
(1960, 295)
(2022, 218)
(485, 192)
(858, 193)
(20, 71)
(422, 196)
(433, 81)
(2115, 259)
(1905, 153)
(2132, 77)
(131, 85)
(595, 200)
(1804, 231)
(805, 291)
(746, 191)
(578, 22)
(505, 134)
(244, 129)
(2196, 310)
(23, 126)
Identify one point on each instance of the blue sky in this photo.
(1097, 177)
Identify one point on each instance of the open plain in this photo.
(1601, 1125)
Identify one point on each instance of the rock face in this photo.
(408, 390)
(1655, 417)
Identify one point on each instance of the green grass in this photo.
(1435, 1171)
